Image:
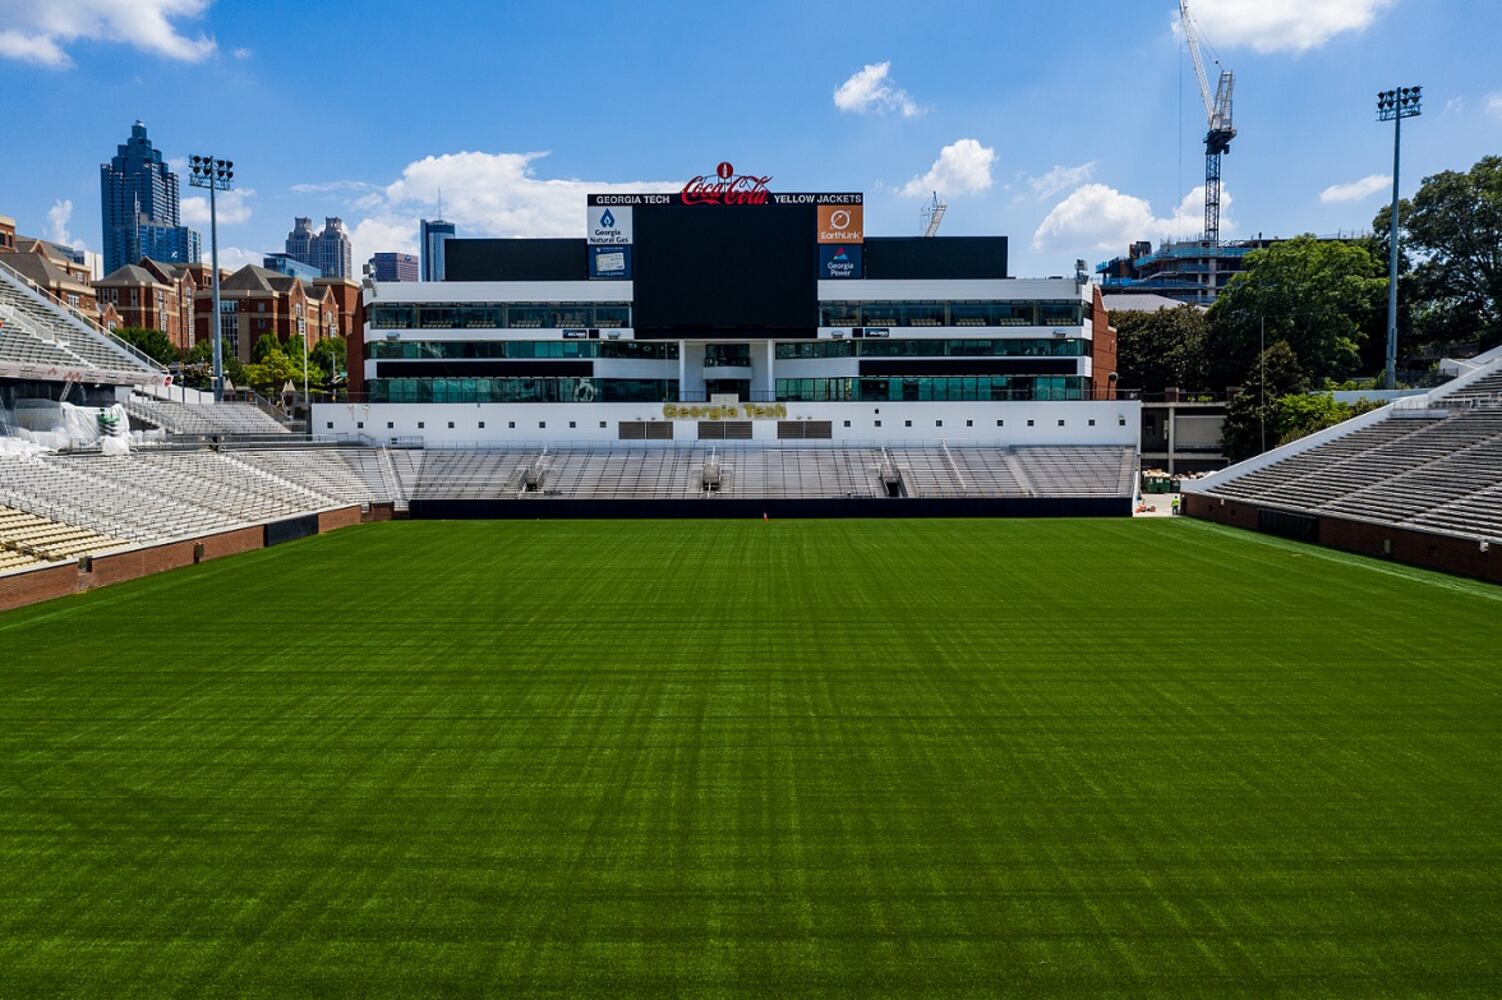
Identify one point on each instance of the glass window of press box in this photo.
(1052, 347)
(446, 350)
(955, 313)
(953, 389)
(498, 315)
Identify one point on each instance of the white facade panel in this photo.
(1114, 422)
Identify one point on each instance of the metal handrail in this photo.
(82, 319)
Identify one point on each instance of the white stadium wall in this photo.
(1052, 422)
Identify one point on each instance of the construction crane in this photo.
(1218, 115)
(932, 214)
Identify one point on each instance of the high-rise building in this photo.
(299, 243)
(139, 206)
(435, 233)
(329, 251)
(387, 266)
(332, 252)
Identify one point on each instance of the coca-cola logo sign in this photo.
(726, 187)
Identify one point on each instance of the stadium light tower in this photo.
(216, 175)
(1393, 106)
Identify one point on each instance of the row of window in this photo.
(443, 350)
(965, 388)
(1056, 347)
(567, 315)
(522, 390)
(937, 389)
(954, 313)
(498, 315)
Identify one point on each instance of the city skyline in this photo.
(1082, 139)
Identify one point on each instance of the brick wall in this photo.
(1102, 350)
(333, 520)
(1460, 556)
(42, 585)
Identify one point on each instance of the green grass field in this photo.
(935, 758)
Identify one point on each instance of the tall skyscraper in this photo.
(332, 252)
(299, 243)
(435, 233)
(389, 266)
(329, 251)
(139, 207)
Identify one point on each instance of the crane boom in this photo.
(1219, 131)
(933, 214)
(1192, 39)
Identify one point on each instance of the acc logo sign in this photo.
(841, 223)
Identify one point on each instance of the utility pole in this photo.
(1393, 106)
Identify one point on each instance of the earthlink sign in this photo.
(841, 224)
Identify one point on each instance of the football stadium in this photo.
(652, 622)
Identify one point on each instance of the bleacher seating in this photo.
(34, 330)
(678, 472)
(29, 540)
(202, 419)
(1434, 463)
(149, 497)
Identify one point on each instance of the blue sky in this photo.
(1072, 128)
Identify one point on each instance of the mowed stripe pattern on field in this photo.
(795, 758)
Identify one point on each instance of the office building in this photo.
(387, 266)
(139, 206)
(435, 234)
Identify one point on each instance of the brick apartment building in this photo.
(256, 302)
(154, 295)
(56, 269)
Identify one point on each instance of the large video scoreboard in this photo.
(725, 257)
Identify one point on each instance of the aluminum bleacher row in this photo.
(607, 472)
(35, 331)
(60, 506)
(202, 419)
(1434, 464)
(152, 497)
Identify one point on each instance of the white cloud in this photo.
(372, 236)
(1061, 178)
(37, 31)
(1494, 103)
(1453, 106)
(869, 89)
(486, 194)
(233, 207)
(57, 221)
(1099, 217)
(234, 258)
(1283, 25)
(1356, 190)
(242, 53)
(963, 167)
(332, 187)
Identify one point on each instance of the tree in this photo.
(275, 369)
(265, 344)
(1162, 349)
(200, 361)
(1454, 227)
(1303, 414)
(1319, 297)
(1252, 414)
(329, 354)
(153, 343)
